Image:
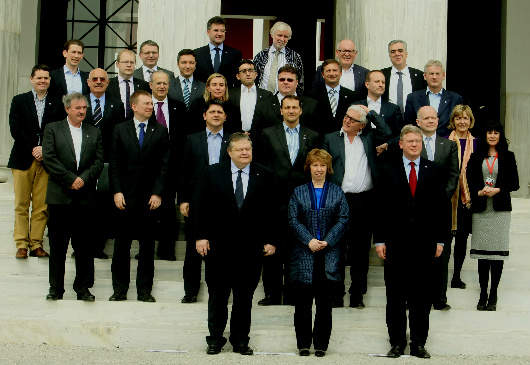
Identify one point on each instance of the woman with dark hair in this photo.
(461, 121)
(318, 214)
(492, 175)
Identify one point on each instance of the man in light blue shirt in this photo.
(69, 78)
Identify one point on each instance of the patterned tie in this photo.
(239, 190)
(141, 135)
(428, 148)
(273, 73)
(160, 118)
(186, 92)
(333, 101)
(217, 59)
(98, 115)
(291, 144)
(413, 178)
(128, 110)
(399, 97)
(149, 74)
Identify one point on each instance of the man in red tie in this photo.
(412, 197)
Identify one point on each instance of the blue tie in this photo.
(141, 135)
(216, 59)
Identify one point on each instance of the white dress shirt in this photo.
(247, 105)
(244, 177)
(165, 109)
(357, 174)
(347, 79)
(77, 139)
(392, 85)
(123, 88)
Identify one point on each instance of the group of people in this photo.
(273, 180)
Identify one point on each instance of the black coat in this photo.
(416, 79)
(113, 90)
(58, 86)
(235, 98)
(390, 113)
(229, 63)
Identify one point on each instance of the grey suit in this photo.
(139, 74)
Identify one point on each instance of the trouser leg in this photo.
(323, 314)
(460, 252)
(59, 235)
(84, 261)
(39, 208)
(303, 317)
(22, 184)
(192, 264)
(146, 267)
(218, 294)
(121, 265)
(440, 270)
(396, 316)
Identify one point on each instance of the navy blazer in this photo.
(58, 83)
(359, 73)
(229, 63)
(417, 99)
(305, 221)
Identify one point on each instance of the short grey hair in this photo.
(68, 98)
(281, 26)
(433, 63)
(360, 110)
(391, 43)
(236, 137)
(409, 128)
(159, 72)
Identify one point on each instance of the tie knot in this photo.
(127, 81)
(141, 125)
(332, 92)
(97, 101)
(186, 81)
(428, 139)
(160, 103)
(399, 73)
(412, 164)
(239, 172)
(150, 71)
(217, 49)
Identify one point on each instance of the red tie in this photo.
(413, 179)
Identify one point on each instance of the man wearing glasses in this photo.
(248, 95)
(353, 75)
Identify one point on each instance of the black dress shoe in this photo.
(419, 351)
(303, 352)
(441, 307)
(395, 351)
(86, 296)
(54, 296)
(458, 284)
(244, 350)
(268, 300)
(213, 349)
(320, 353)
(146, 298)
(117, 297)
(189, 299)
(482, 302)
(492, 303)
(337, 303)
(101, 255)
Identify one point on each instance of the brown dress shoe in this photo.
(38, 252)
(22, 253)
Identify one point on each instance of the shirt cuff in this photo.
(379, 244)
(441, 244)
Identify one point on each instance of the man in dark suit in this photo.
(149, 53)
(171, 114)
(201, 150)
(124, 85)
(29, 114)
(333, 99)
(283, 149)
(69, 78)
(234, 202)
(353, 149)
(443, 101)
(188, 88)
(444, 154)
(104, 112)
(248, 96)
(138, 174)
(217, 56)
(268, 113)
(352, 75)
(73, 155)
(396, 91)
(412, 237)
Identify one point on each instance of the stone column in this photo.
(175, 25)
(10, 17)
(372, 24)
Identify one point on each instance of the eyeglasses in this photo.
(350, 119)
(247, 71)
(347, 51)
(95, 79)
(283, 79)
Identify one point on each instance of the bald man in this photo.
(353, 76)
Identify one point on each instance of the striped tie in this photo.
(187, 92)
(98, 115)
(333, 102)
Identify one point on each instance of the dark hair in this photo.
(245, 61)
(70, 42)
(483, 146)
(186, 52)
(369, 75)
(211, 102)
(289, 68)
(215, 20)
(291, 97)
(38, 67)
(236, 137)
(149, 43)
(329, 61)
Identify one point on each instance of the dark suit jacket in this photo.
(229, 62)
(113, 90)
(391, 114)
(58, 83)
(273, 153)
(419, 98)
(235, 97)
(139, 74)
(371, 138)
(412, 225)
(507, 181)
(112, 115)
(138, 172)
(24, 127)
(268, 114)
(60, 161)
(236, 236)
(196, 92)
(359, 73)
(446, 157)
(326, 122)
(416, 79)
(196, 121)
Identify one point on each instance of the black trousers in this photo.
(461, 235)
(134, 225)
(440, 271)
(322, 290)
(192, 263)
(357, 242)
(167, 227)
(275, 269)
(65, 223)
(408, 282)
(223, 278)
